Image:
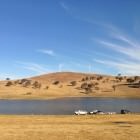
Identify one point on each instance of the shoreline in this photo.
(64, 97)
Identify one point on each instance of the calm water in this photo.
(67, 105)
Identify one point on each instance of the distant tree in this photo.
(36, 84)
(55, 82)
(96, 83)
(92, 78)
(114, 87)
(88, 90)
(120, 78)
(9, 83)
(99, 77)
(130, 80)
(119, 74)
(83, 79)
(87, 87)
(22, 81)
(47, 87)
(73, 83)
(136, 78)
(91, 85)
(84, 85)
(16, 82)
(87, 78)
(7, 79)
(26, 83)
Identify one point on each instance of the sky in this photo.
(90, 36)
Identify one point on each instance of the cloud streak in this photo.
(132, 52)
(127, 47)
(128, 68)
(34, 67)
(64, 6)
(47, 51)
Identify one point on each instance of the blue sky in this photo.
(43, 36)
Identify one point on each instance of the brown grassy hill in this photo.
(67, 84)
(60, 76)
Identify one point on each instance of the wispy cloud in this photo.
(34, 67)
(64, 6)
(125, 45)
(77, 14)
(131, 52)
(125, 67)
(47, 51)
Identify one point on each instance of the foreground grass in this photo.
(100, 127)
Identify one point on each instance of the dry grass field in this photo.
(99, 127)
(57, 85)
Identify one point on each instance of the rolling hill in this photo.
(70, 84)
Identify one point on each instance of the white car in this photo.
(80, 112)
(97, 112)
(111, 113)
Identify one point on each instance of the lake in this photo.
(67, 106)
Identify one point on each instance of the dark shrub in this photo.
(55, 82)
(84, 85)
(119, 78)
(26, 83)
(9, 83)
(130, 80)
(96, 83)
(47, 87)
(28, 93)
(36, 84)
(73, 83)
(99, 77)
(87, 87)
(97, 88)
(87, 78)
(83, 79)
(136, 78)
(92, 78)
(88, 90)
(16, 82)
(22, 81)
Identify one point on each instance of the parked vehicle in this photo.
(96, 112)
(111, 113)
(124, 111)
(80, 112)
